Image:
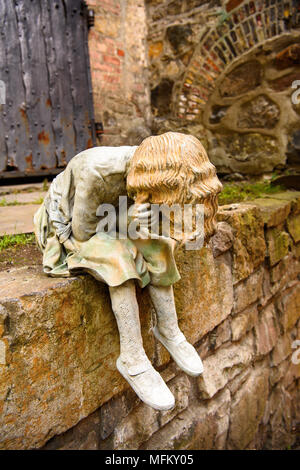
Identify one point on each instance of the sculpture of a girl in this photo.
(172, 168)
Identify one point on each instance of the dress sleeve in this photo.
(89, 194)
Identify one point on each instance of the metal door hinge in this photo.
(90, 18)
(99, 129)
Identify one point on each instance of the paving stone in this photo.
(17, 219)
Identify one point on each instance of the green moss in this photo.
(238, 192)
(8, 241)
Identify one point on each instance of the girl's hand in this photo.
(144, 217)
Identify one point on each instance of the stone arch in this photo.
(246, 26)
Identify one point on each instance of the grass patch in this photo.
(8, 241)
(238, 192)
(5, 203)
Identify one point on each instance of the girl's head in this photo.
(174, 168)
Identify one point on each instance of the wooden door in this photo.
(44, 64)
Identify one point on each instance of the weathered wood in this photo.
(48, 115)
(16, 137)
(3, 152)
(78, 73)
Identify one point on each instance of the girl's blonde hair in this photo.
(174, 168)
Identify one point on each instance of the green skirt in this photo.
(107, 259)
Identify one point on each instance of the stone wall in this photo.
(238, 302)
(118, 59)
(223, 71)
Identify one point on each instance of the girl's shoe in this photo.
(183, 353)
(147, 384)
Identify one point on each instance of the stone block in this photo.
(235, 384)
(220, 335)
(278, 372)
(204, 296)
(289, 307)
(222, 240)
(113, 411)
(243, 322)
(274, 211)
(293, 225)
(200, 427)
(155, 49)
(248, 237)
(136, 428)
(280, 277)
(84, 436)
(266, 331)
(180, 387)
(280, 436)
(248, 291)
(61, 347)
(290, 196)
(282, 349)
(278, 243)
(223, 366)
(292, 374)
(247, 409)
(286, 270)
(107, 24)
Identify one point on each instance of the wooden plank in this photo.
(16, 133)
(54, 97)
(3, 150)
(36, 84)
(62, 96)
(79, 74)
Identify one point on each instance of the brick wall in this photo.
(117, 45)
(238, 302)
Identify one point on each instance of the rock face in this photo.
(261, 112)
(239, 305)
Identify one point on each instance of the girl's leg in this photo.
(164, 305)
(133, 363)
(168, 333)
(125, 308)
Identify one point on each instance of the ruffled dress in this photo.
(66, 225)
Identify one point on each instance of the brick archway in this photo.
(247, 25)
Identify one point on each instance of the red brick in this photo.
(109, 41)
(233, 4)
(120, 52)
(111, 78)
(105, 68)
(101, 47)
(111, 60)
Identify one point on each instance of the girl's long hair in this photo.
(174, 168)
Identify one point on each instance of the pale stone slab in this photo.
(249, 248)
(223, 366)
(247, 409)
(204, 296)
(17, 219)
(14, 189)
